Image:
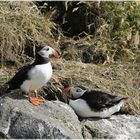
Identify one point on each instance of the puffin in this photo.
(33, 76)
(93, 103)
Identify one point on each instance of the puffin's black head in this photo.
(43, 55)
(75, 92)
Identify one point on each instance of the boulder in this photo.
(116, 127)
(20, 119)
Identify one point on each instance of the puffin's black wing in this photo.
(19, 77)
(98, 100)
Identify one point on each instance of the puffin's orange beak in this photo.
(56, 54)
(66, 90)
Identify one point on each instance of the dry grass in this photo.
(21, 26)
(119, 79)
(117, 34)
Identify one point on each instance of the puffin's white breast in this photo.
(82, 109)
(38, 77)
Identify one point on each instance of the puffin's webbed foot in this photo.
(36, 100)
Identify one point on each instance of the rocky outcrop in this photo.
(20, 119)
(116, 127)
(55, 119)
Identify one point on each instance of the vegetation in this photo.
(118, 29)
(21, 25)
(113, 30)
(109, 43)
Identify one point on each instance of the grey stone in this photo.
(53, 119)
(116, 127)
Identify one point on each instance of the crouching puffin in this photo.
(93, 103)
(32, 77)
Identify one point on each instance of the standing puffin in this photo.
(93, 103)
(32, 77)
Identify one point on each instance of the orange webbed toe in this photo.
(36, 101)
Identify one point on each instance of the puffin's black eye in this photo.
(78, 90)
(47, 49)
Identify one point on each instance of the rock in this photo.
(116, 127)
(20, 119)
(54, 119)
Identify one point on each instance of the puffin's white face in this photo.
(74, 92)
(47, 51)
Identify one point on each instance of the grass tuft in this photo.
(21, 23)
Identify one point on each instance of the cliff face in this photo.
(56, 120)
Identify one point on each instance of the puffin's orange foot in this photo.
(36, 101)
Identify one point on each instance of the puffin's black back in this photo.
(98, 100)
(19, 77)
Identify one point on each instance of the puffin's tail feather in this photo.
(118, 99)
